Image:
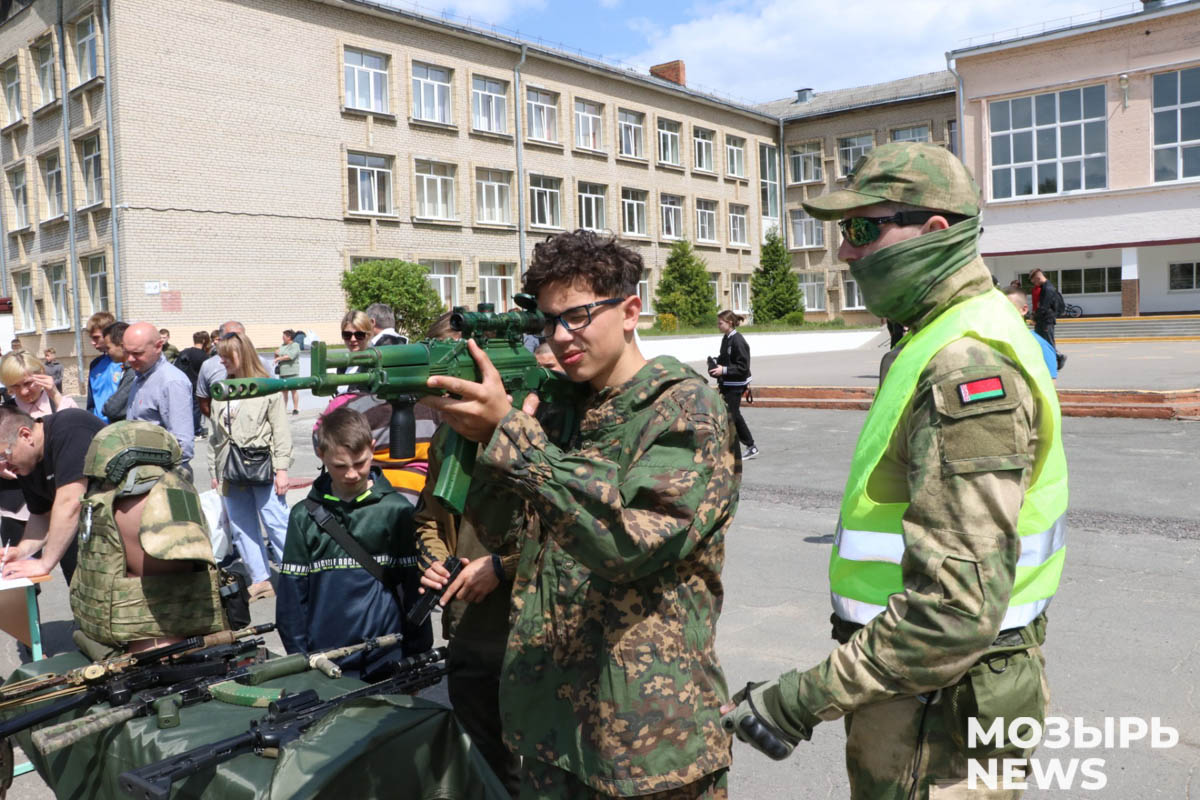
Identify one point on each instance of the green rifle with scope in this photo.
(399, 374)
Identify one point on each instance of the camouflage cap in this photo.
(912, 173)
(121, 446)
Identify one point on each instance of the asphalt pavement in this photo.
(1123, 639)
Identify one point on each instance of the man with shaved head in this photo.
(161, 393)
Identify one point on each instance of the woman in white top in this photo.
(32, 389)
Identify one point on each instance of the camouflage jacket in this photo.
(611, 672)
(960, 530)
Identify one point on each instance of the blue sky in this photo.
(759, 50)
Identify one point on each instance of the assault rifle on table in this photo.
(236, 686)
(399, 373)
(286, 720)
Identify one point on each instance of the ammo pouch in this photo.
(1004, 684)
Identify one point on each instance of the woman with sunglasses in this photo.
(253, 422)
(356, 333)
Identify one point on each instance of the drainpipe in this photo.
(114, 209)
(518, 103)
(70, 179)
(779, 175)
(961, 121)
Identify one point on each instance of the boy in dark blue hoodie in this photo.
(326, 598)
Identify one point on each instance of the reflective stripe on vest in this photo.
(864, 568)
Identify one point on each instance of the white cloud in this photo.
(764, 49)
(480, 12)
(609, 3)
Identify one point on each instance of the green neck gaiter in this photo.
(895, 280)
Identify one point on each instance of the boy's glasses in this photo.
(358, 336)
(577, 317)
(861, 231)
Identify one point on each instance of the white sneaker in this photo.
(749, 453)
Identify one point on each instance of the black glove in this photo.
(755, 722)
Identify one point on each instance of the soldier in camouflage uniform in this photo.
(950, 542)
(611, 684)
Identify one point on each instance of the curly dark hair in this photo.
(608, 268)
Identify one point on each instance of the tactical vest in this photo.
(864, 569)
(113, 608)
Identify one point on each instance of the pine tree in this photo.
(774, 288)
(684, 289)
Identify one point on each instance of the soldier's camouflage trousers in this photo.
(888, 746)
(541, 781)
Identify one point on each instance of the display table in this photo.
(374, 747)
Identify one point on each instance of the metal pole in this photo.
(66, 126)
(519, 107)
(114, 210)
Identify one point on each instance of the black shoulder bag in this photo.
(327, 522)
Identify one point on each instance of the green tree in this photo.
(683, 289)
(774, 288)
(400, 284)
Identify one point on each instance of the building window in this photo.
(672, 216)
(1177, 125)
(739, 286)
(1092, 280)
(853, 300)
(443, 275)
(633, 212)
(97, 281)
(812, 286)
(632, 131)
(85, 49)
(913, 133)
(1048, 143)
(544, 202)
(543, 115)
(737, 224)
(92, 176)
(491, 196)
(44, 55)
(369, 183)
(12, 91)
(435, 190)
(431, 93)
(714, 282)
(1026, 284)
(366, 80)
(56, 277)
(706, 220)
(16, 180)
(52, 180)
(24, 282)
(806, 231)
(591, 206)
(489, 105)
(1183, 277)
(702, 140)
(952, 136)
(735, 156)
(668, 142)
(496, 284)
(588, 128)
(806, 162)
(644, 292)
(768, 170)
(851, 149)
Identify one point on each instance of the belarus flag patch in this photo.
(982, 389)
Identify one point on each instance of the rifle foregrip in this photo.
(277, 668)
(56, 737)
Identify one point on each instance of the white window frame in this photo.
(496, 284)
(1177, 109)
(735, 156)
(739, 292)
(631, 133)
(52, 183)
(807, 231)
(668, 142)
(434, 195)
(56, 282)
(44, 56)
(96, 268)
(1007, 166)
(431, 93)
(706, 220)
(851, 149)
(374, 75)
(702, 142)
(912, 133)
(952, 136)
(545, 201)
(739, 224)
(812, 287)
(543, 115)
(12, 91)
(714, 283)
(369, 184)
(1193, 267)
(492, 191)
(443, 275)
(852, 299)
(633, 212)
(671, 207)
(768, 181)
(805, 161)
(23, 281)
(85, 49)
(644, 293)
(589, 124)
(591, 205)
(93, 175)
(489, 104)
(20, 194)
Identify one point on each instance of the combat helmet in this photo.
(131, 455)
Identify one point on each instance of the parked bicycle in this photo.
(1071, 311)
